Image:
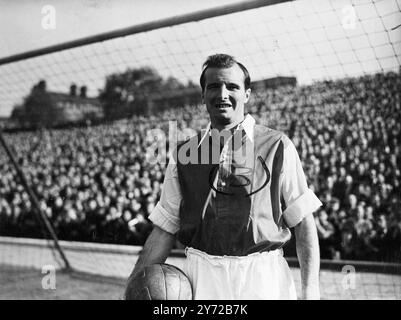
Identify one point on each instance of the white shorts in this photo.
(259, 276)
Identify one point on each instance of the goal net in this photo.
(85, 116)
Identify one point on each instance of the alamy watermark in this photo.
(349, 18)
(348, 281)
(196, 150)
(48, 21)
(49, 280)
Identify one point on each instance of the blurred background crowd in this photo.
(97, 183)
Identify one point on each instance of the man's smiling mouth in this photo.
(223, 106)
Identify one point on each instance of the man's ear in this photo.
(247, 95)
(203, 98)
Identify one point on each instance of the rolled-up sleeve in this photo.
(300, 201)
(166, 212)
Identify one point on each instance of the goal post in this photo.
(317, 61)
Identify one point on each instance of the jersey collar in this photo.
(247, 125)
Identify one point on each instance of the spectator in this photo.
(325, 231)
(347, 132)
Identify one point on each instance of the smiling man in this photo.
(233, 215)
(225, 91)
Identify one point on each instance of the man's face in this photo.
(225, 96)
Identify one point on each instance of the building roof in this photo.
(78, 99)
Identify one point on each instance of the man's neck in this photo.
(221, 127)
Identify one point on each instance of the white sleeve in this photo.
(166, 212)
(299, 199)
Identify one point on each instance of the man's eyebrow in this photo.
(227, 84)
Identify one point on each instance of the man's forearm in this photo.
(156, 249)
(307, 244)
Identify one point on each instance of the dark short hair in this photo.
(221, 60)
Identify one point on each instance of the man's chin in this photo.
(223, 121)
(223, 118)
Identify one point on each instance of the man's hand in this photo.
(307, 245)
(156, 250)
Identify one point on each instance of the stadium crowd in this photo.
(98, 183)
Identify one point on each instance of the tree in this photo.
(38, 107)
(143, 91)
(127, 93)
(18, 115)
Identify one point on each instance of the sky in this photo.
(309, 39)
(21, 27)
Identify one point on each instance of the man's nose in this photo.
(223, 93)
